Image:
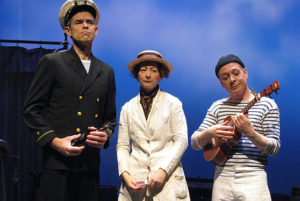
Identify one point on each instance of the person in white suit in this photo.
(152, 136)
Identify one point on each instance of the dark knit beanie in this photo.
(227, 59)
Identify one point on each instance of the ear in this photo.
(246, 73)
(221, 83)
(97, 30)
(67, 30)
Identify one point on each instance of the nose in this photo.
(232, 79)
(85, 24)
(148, 74)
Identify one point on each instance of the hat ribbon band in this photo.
(149, 54)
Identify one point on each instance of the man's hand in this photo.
(243, 124)
(63, 145)
(131, 182)
(96, 138)
(158, 179)
(221, 132)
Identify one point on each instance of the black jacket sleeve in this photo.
(110, 109)
(36, 101)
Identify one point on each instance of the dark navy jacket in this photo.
(64, 100)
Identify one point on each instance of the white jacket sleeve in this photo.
(123, 145)
(179, 133)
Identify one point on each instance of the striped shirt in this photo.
(264, 117)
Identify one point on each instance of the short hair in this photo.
(163, 71)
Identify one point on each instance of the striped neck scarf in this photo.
(147, 99)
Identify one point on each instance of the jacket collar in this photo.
(78, 67)
(155, 104)
(77, 64)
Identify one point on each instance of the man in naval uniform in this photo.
(72, 92)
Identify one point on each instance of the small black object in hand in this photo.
(81, 139)
(83, 136)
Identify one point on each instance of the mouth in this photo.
(86, 33)
(234, 87)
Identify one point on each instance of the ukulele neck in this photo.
(251, 103)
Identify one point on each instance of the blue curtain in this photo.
(16, 69)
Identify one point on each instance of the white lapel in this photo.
(152, 114)
(140, 111)
(155, 106)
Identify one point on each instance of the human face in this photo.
(234, 79)
(149, 75)
(82, 28)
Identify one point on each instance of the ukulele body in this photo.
(217, 151)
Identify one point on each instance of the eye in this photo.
(236, 72)
(78, 22)
(90, 21)
(224, 77)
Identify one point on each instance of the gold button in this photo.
(98, 100)
(78, 130)
(96, 116)
(80, 97)
(38, 132)
(79, 113)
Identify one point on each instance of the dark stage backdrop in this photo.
(16, 69)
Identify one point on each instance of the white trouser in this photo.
(240, 185)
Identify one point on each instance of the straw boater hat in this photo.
(71, 7)
(149, 55)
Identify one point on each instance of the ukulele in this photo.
(217, 150)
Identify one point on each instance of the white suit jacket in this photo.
(145, 145)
